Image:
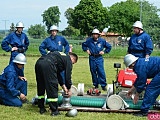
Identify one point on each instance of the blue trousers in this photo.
(151, 93)
(97, 71)
(10, 100)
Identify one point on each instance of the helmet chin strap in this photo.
(139, 31)
(18, 32)
(132, 65)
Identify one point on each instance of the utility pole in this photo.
(141, 11)
(5, 21)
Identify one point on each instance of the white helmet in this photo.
(72, 113)
(95, 31)
(20, 59)
(129, 59)
(138, 24)
(53, 27)
(19, 24)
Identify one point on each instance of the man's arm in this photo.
(26, 43)
(68, 73)
(107, 47)
(149, 46)
(42, 48)
(5, 44)
(10, 78)
(66, 46)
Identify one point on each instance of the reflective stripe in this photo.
(40, 97)
(62, 53)
(52, 99)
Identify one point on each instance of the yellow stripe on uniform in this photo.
(40, 97)
(62, 53)
(52, 99)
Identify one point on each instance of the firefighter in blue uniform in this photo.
(94, 46)
(16, 42)
(54, 43)
(140, 43)
(144, 68)
(48, 68)
(13, 90)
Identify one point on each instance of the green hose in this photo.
(97, 102)
(84, 101)
(136, 106)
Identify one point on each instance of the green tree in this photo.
(151, 20)
(12, 28)
(37, 31)
(123, 15)
(71, 32)
(68, 14)
(51, 16)
(88, 14)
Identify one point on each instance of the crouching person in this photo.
(13, 88)
(144, 68)
(48, 69)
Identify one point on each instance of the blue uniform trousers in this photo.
(151, 93)
(10, 100)
(97, 71)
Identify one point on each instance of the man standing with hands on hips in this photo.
(96, 46)
(54, 43)
(140, 43)
(16, 42)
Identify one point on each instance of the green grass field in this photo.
(80, 74)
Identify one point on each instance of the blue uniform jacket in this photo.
(9, 78)
(15, 40)
(54, 44)
(145, 68)
(96, 46)
(140, 45)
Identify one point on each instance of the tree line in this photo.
(88, 14)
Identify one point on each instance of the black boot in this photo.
(104, 88)
(42, 110)
(141, 114)
(54, 108)
(41, 106)
(55, 113)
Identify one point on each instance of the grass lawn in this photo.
(80, 74)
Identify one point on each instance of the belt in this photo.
(96, 55)
(2, 86)
(20, 50)
(137, 51)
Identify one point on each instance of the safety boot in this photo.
(104, 88)
(55, 113)
(42, 110)
(141, 114)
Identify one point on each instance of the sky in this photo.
(29, 11)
